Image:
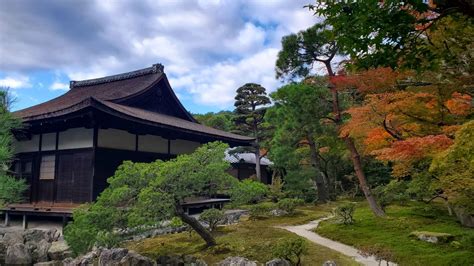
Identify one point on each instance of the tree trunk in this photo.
(195, 225)
(258, 169)
(321, 179)
(355, 157)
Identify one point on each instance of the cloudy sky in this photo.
(208, 47)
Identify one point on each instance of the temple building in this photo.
(70, 145)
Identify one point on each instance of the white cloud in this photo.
(216, 85)
(209, 48)
(59, 86)
(15, 82)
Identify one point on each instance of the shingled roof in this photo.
(106, 94)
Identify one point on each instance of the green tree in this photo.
(250, 107)
(222, 120)
(11, 189)
(297, 115)
(289, 66)
(148, 193)
(396, 33)
(455, 170)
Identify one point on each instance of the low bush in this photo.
(291, 249)
(248, 191)
(261, 210)
(212, 217)
(345, 213)
(289, 205)
(176, 222)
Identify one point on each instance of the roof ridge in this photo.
(156, 68)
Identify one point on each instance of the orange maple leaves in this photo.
(401, 123)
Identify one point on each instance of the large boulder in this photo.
(39, 250)
(278, 262)
(59, 250)
(180, 260)
(13, 237)
(123, 257)
(432, 237)
(237, 261)
(18, 254)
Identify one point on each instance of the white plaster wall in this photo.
(76, 138)
(26, 145)
(116, 139)
(151, 143)
(48, 142)
(180, 146)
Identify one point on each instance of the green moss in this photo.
(393, 233)
(253, 239)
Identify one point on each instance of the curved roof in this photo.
(110, 88)
(109, 94)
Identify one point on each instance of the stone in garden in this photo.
(329, 263)
(11, 238)
(18, 254)
(112, 256)
(135, 259)
(39, 250)
(278, 262)
(433, 237)
(278, 212)
(237, 261)
(59, 250)
(49, 263)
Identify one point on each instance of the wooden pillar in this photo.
(25, 222)
(7, 219)
(64, 221)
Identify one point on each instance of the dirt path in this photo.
(305, 231)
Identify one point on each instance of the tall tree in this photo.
(304, 55)
(394, 33)
(221, 120)
(11, 189)
(250, 105)
(149, 193)
(297, 115)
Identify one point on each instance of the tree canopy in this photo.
(148, 193)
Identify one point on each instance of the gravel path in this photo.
(305, 231)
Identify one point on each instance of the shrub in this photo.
(248, 191)
(176, 222)
(261, 210)
(212, 217)
(345, 213)
(289, 205)
(275, 192)
(291, 250)
(107, 239)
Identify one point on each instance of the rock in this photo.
(466, 218)
(49, 263)
(39, 251)
(112, 256)
(278, 262)
(432, 237)
(135, 259)
(278, 212)
(329, 263)
(14, 237)
(237, 261)
(34, 235)
(59, 250)
(187, 260)
(18, 254)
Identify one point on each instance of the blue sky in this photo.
(208, 47)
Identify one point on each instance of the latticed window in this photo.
(48, 163)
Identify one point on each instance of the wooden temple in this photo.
(70, 145)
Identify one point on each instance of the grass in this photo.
(253, 239)
(393, 233)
